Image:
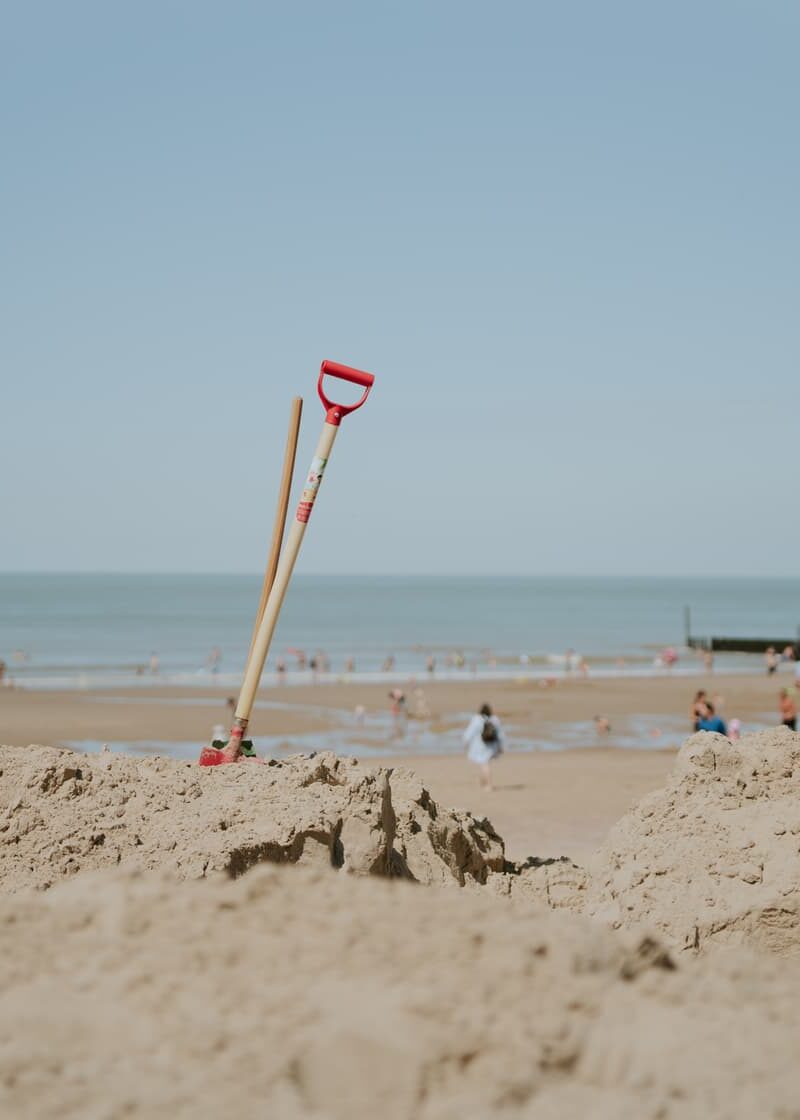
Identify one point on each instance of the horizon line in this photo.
(400, 575)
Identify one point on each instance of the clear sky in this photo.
(564, 236)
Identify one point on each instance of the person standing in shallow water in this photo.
(399, 713)
(699, 708)
(484, 741)
(711, 721)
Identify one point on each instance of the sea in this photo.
(98, 630)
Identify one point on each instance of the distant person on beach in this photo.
(484, 741)
(699, 708)
(280, 669)
(350, 665)
(214, 659)
(399, 713)
(708, 661)
(771, 661)
(421, 707)
(388, 663)
(788, 710)
(712, 722)
(431, 666)
(2, 670)
(602, 725)
(154, 664)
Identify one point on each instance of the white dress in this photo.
(477, 750)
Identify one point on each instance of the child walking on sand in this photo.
(484, 741)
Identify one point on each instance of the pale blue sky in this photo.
(563, 236)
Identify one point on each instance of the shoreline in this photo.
(93, 679)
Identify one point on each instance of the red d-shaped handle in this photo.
(335, 412)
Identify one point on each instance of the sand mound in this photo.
(63, 812)
(294, 993)
(712, 858)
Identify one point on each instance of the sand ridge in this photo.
(62, 812)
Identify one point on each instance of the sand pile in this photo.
(712, 858)
(451, 846)
(295, 992)
(63, 812)
(196, 990)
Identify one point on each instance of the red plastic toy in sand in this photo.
(212, 756)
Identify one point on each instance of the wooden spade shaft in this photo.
(280, 517)
(283, 575)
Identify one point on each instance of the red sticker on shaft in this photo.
(309, 495)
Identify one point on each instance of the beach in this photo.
(335, 932)
(542, 949)
(435, 758)
(320, 937)
(545, 801)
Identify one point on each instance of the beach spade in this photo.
(282, 561)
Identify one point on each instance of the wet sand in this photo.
(181, 714)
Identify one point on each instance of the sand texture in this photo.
(177, 967)
(712, 859)
(62, 812)
(298, 993)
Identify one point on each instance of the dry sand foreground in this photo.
(163, 973)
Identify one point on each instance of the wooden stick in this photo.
(280, 517)
(286, 564)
